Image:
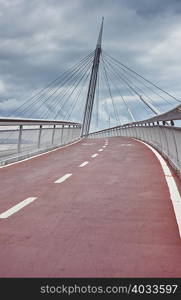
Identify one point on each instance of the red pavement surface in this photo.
(111, 218)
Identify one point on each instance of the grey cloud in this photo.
(154, 8)
(39, 39)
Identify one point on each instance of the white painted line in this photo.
(84, 164)
(63, 178)
(173, 190)
(103, 146)
(17, 207)
(94, 155)
(100, 150)
(44, 153)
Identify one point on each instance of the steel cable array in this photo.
(64, 98)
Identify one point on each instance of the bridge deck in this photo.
(112, 218)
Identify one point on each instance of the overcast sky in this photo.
(39, 38)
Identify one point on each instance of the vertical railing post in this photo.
(62, 134)
(71, 132)
(53, 133)
(146, 133)
(167, 145)
(39, 136)
(176, 148)
(78, 132)
(160, 138)
(20, 138)
(134, 132)
(143, 133)
(68, 133)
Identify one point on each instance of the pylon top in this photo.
(99, 41)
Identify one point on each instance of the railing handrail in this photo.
(133, 125)
(24, 121)
(173, 114)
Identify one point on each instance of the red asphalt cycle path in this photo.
(111, 218)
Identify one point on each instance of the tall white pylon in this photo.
(92, 86)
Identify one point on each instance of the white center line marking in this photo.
(100, 150)
(63, 178)
(104, 146)
(17, 207)
(84, 164)
(94, 155)
(173, 190)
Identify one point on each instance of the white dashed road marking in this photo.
(94, 155)
(84, 164)
(17, 207)
(63, 178)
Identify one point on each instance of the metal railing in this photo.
(166, 139)
(22, 138)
